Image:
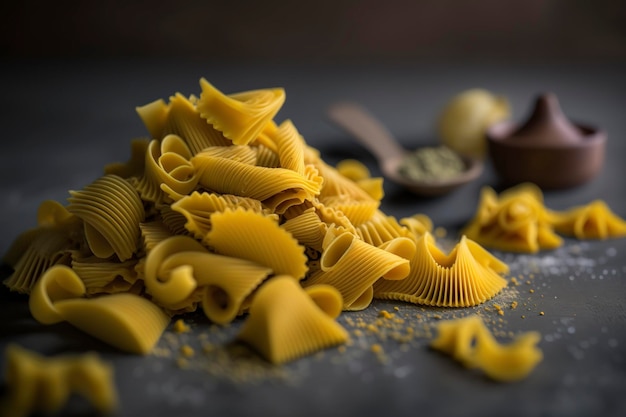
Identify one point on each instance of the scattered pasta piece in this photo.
(467, 276)
(285, 323)
(592, 221)
(43, 385)
(515, 221)
(468, 341)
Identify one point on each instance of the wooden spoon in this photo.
(389, 153)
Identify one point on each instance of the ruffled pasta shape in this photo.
(285, 323)
(381, 228)
(198, 208)
(360, 174)
(336, 184)
(515, 221)
(185, 121)
(44, 385)
(307, 228)
(290, 147)
(266, 157)
(592, 221)
(178, 266)
(111, 211)
(417, 224)
(167, 170)
(467, 276)
(249, 235)
(154, 117)
(241, 117)
(57, 234)
(353, 266)
(126, 321)
(227, 176)
(470, 342)
(358, 212)
(243, 154)
(103, 276)
(153, 233)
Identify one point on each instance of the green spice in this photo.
(431, 164)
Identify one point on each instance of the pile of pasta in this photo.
(224, 209)
(518, 221)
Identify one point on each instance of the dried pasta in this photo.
(223, 208)
(515, 221)
(127, 321)
(591, 221)
(179, 265)
(249, 235)
(518, 221)
(468, 341)
(467, 276)
(353, 266)
(111, 210)
(285, 323)
(37, 384)
(241, 117)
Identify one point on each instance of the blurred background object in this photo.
(317, 31)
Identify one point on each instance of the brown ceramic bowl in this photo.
(549, 167)
(547, 150)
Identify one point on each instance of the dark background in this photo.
(317, 31)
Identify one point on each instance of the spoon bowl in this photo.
(390, 154)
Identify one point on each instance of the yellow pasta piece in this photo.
(103, 276)
(336, 184)
(154, 116)
(468, 341)
(352, 266)
(227, 176)
(249, 235)
(243, 154)
(198, 208)
(227, 281)
(418, 224)
(241, 117)
(126, 321)
(57, 234)
(112, 211)
(591, 221)
(58, 283)
(307, 228)
(515, 221)
(290, 147)
(38, 384)
(184, 120)
(165, 288)
(381, 228)
(284, 323)
(467, 276)
(357, 211)
(353, 169)
(153, 233)
(266, 157)
(167, 170)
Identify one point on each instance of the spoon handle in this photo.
(367, 129)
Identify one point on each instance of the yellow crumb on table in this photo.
(187, 351)
(180, 326)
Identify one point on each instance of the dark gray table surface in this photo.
(63, 121)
